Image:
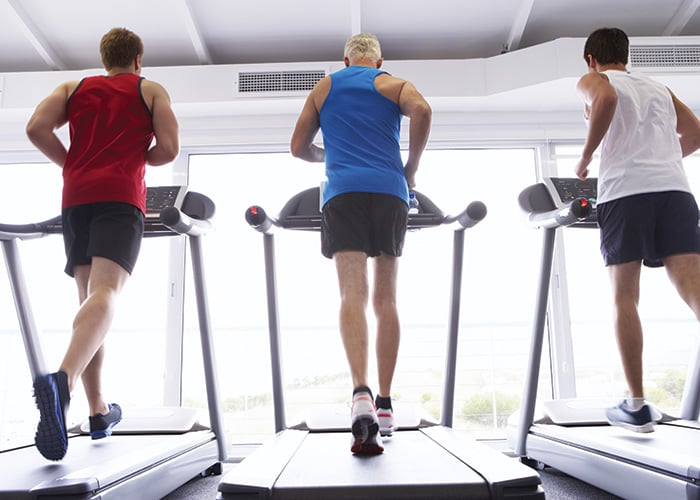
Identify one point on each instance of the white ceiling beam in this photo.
(34, 36)
(518, 27)
(194, 32)
(680, 19)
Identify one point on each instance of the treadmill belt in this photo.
(304, 465)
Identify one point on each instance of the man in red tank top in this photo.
(113, 120)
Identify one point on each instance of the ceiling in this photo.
(41, 35)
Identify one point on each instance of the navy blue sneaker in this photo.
(639, 420)
(52, 398)
(101, 425)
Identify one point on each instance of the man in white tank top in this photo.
(646, 212)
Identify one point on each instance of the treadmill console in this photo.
(564, 190)
(568, 189)
(158, 198)
(162, 197)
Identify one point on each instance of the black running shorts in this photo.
(372, 223)
(111, 230)
(648, 227)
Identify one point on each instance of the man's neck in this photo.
(370, 63)
(120, 71)
(611, 66)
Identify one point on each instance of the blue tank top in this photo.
(361, 130)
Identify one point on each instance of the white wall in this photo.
(527, 95)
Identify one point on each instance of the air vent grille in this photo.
(672, 56)
(278, 81)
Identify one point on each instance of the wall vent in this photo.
(278, 81)
(668, 57)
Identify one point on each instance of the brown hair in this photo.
(119, 47)
(608, 46)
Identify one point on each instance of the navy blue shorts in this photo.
(372, 223)
(111, 230)
(648, 227)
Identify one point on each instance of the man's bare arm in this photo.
(687, 126)
(413, 105)
(49, 116)
(308, 125)
(165, 126)
(600, 100)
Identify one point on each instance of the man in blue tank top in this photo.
(646, 211)
(365, 210)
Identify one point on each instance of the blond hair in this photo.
(363, 46)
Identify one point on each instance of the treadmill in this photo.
(138, 460)
(664, 464)
(423, 460)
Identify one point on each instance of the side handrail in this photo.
(181, 223)
(428, 216)
(575, 211)
(31, 230)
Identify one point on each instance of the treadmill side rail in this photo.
(506, 478)
(259, 471)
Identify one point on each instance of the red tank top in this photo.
(110, 133)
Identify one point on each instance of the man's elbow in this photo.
(169, 148)
(297, 150)
(422, 112)
(171, 151)
(33, 131)
(690, 144)
(162, 153)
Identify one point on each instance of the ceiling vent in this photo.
(666, 58)
(279, 82)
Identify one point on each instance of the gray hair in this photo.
(363, 45)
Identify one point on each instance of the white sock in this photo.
(634, 403)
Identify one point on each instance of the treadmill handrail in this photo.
(181, 223)
(172, 218)
(470, 217)
(258, 219)
(30, 230)
(575, 211)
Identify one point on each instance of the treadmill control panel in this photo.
(568, 189)
(161, 197)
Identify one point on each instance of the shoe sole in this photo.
(386, 432)
(103, 433)
(51, 438)
(644, 428)
(360, 448)
(107, 431)
(365, 431)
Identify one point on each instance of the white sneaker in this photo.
(365, 426)
(386, 421)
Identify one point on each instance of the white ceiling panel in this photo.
(265, 32)
(46, 35)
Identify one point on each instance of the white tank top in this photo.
(641, 152)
